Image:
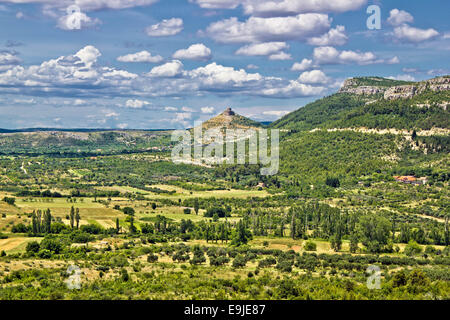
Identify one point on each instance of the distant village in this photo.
(411, 180)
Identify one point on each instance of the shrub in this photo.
(52, 245)
(119, 261)
(221, 213)
(199, 256)
(412, 248)
(430, 250)
(310, 246)
(9, 201)
(44, 254)
(33, 247)
(19, 228)
(92, 229)
(285, 265)
(128, 210)
(152, 258)
(239, 261)
(124, 275)
(267, 262)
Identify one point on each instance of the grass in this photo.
(181, 193)
(16, 244)
(56, 203)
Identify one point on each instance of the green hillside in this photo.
(344, 110)
(355, 135)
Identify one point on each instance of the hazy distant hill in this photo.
(81, 141)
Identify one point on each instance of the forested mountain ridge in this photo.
(362, 130)
(376, 103)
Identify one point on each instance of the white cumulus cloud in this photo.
(142, 56)
(256, 29)
(167, 27)
(262, 49)
(293, 89)
(407, 33)
(217, 4)
(330, 55)
(313, 77)
(302, 66)
(276, 113)
(167, 70)
(398, 17)
(334, 37)
(292, 7)
(280, 56)
(196, 51)
(207, 110)
(88, 5)
(136, 103)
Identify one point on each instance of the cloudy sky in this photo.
(153, 64)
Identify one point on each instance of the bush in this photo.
(119, 261)
(44, 254)
(267, 262)
(285, 265)
(199, 256)
(52, 245)
(9, 201)
(147, 228)
(412, 248)
(128, 210)
(218, 261)
(19, 228)
(310, 246)
(430, 250)
(124, 275)
(33, 247)
(152, 258)
(220, 212)
(92, 229)
(81, 237)
(239, 261)
(332, 182)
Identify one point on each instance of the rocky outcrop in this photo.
(352, 86)
(409, 91)
(439, 84)
(400, 92)
(363, 90)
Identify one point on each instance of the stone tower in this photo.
(229, 112)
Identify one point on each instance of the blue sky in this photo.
(148, 64)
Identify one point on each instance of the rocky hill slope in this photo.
(392, 89)
(230, 120)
